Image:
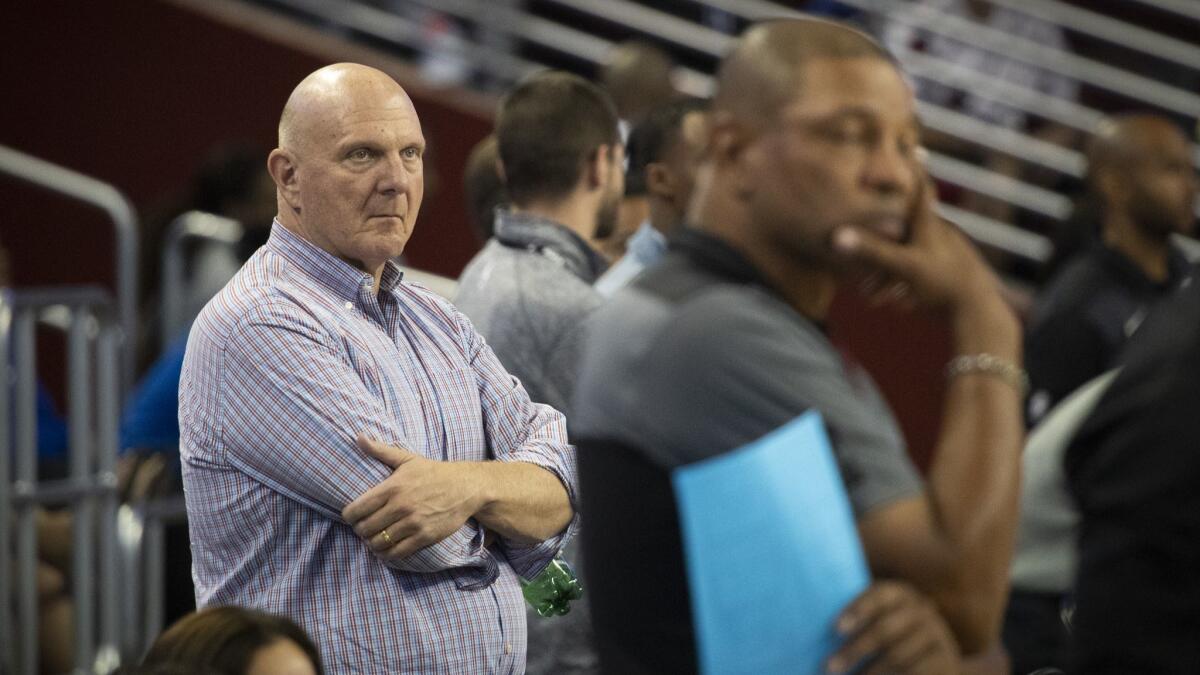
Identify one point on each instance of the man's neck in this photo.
(663, 217)
(809, 289)
(576, 215)
(297, 228)
(1149, 253)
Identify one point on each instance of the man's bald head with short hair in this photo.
(762, 73)
(1126, 139)
(329, 92)
(349, 166)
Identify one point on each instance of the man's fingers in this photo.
(871, 250)
(367, 503)
(388, 537)
(380, 518)
(391, 455)
(407, 546)
(874, 639)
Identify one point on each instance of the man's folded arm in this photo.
(521, 431)
(293, 406)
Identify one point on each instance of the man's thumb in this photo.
(391, 455)
(865, 248)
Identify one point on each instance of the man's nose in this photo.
(889, 169)
(395, 175)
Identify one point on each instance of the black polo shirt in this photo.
(1134, 469)
(1084, 317)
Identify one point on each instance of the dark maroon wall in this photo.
(136, 91)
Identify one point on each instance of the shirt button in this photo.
(349, 305)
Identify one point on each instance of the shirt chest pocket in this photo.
(462, 414)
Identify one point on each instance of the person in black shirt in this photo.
(1140, 170)
(1133, 468)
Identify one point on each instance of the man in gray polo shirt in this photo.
(530, 290)
(811, 178)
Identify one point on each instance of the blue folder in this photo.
(771, 550)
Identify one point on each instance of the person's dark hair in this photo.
(224, 640)
(650, 140)
(546, 128)
(483, 186)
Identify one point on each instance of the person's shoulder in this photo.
(1070, 291)
(264, 292)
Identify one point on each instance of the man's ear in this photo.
(282, 167)
(1111, 187)
(599, 165)
(727, 139)
(659, 181)
(729, 144)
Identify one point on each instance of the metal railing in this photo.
(191, 226)
(106, 197)
(89, 491)
(645, 19)
(1111, 30)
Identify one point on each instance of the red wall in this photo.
(134, 92)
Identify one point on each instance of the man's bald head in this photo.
(1140, 167)
(349, 169)
(637, 76)
(1128, 139)
(327, 94)
(762, 73)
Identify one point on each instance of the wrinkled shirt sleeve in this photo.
(519, 430)
(293, 406)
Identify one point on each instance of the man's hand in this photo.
(891, 628)
(421, 503)
(938, 267)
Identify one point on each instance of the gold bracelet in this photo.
(989, 364)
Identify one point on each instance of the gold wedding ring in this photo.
(387, 538)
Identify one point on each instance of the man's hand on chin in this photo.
(421, 503)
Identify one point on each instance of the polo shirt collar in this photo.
(716, 256)
(1132, 276)
(343, 279)
(534, 233)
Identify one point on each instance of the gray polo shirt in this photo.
(699, 357)
(528, 292)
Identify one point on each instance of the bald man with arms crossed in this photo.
(354, 456)
(811, 179)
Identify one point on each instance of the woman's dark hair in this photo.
(224, 640)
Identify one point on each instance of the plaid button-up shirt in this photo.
(283, 368)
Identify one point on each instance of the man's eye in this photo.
(411, 153)
(360, 154)
(845, 134)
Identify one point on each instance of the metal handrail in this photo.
(92, 344)
(109, 199)
(1005, 140)
(998, 235)
(654, 22)
(1011, 190)
(1187, 8)
(1109, 29)
(189, 226)
(1054, 60)
(1018, 96)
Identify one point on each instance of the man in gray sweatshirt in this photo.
(529, 291)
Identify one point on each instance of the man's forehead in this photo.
(824, 86)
